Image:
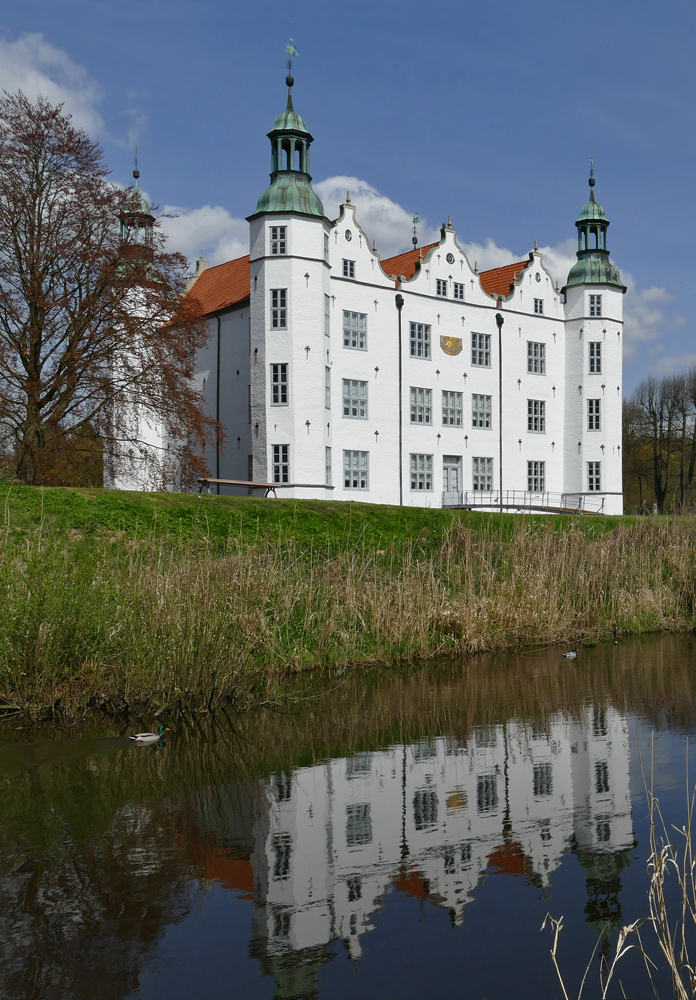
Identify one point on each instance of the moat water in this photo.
(396, 834)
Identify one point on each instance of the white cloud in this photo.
(211, 228)
(34, 66)
(644, 321)
(668, 366)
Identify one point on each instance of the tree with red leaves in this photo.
(97, 343)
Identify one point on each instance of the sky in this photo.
(487, 112)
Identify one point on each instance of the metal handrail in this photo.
(576, 503)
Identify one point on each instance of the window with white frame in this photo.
(601, 777)
(279, 384)
(539, 307)
(536, 477)
(282, 850)
(420, 340)
(421, 405)
(482, 474)
(486, 793)
(451, 408)
(327, 315)
(458, 290)
(279, 305)
(358, 824)
(327, 387)
(281, 463)
(355, 470)
(326, 246)
(327, 472)
(481, 350)
(595, 347)
(425, 808)
(421, 472)
(278, 240)
(441, 287)
(536, 416)
(348, 268)
(481, 411)
(593, 414)
(355, 330)
(594, 479)
(536, 358)
(595, 305)
(543, 779)
(354, 398)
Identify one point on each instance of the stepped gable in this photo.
(405, 263)
(499, 280)
(222, 286)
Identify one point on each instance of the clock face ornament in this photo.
(349, 235)
(450, 258)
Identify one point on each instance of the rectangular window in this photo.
(326, 246)
(486, 793)
(354, 886)
(451, 409)
(539, 307)
(279, 300)
(327, 387)
(482, 473)
(595, 357)
(358, 824)
(421, 405)
(354, 398)
(481, 411)
(327, 474)
(536, 416)
(355, 470)
(348, 268)
(536, 477)
(421, 472)
(593, 414)
(355, 330)
(595, 305)
(425, 808)
(441, 288)
(543, 780)
(451, 473)
(536, 358)
(279, 384)
(281, 464)
(327, 316)
(282, 850)
(278, 240)
(420, 340)
(458, 291)
(481, 350)
(594, 479)
(601, 769)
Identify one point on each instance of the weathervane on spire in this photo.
(592, 177)
(291, 53)
(136, 172)
(416, 222)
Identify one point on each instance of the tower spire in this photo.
(593, 265)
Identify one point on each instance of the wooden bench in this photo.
(268, 487)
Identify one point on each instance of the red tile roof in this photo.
(405, 263)
(222, 286)
(499, 280)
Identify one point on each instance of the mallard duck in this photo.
(571, 654)
(150, 737)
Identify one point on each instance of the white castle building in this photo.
(413, 380)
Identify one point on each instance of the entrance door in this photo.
(451, 473)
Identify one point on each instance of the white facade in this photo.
(387, 384)
(430, 819)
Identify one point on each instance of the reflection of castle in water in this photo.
(431, 818)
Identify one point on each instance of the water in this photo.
(400, 835)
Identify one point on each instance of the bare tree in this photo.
(96, 339)
(655, 400)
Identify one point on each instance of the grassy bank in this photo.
(186, 602)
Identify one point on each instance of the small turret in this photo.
(593, 266)
(137, 220)
(291, 184)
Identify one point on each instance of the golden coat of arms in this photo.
(451, 345)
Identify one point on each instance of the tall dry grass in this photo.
(175, 624)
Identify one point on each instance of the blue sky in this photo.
(485, 111)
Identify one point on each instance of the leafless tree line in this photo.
(659, 443)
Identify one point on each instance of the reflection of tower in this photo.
(603, 879)
(296, 973)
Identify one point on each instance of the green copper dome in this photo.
(290, 189)
(593, 265)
